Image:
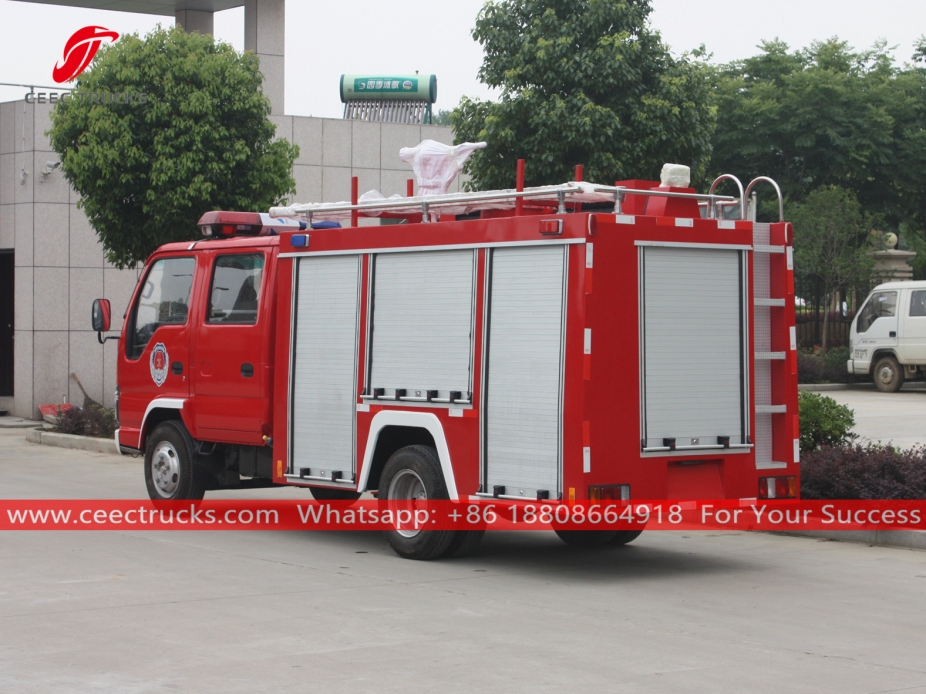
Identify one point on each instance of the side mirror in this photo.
(100, 315)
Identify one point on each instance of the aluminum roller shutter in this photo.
(524, 382)
(692, 332)
(423, 322)
(324, 381)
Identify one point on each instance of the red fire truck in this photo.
(549, 344)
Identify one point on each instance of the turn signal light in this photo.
(609, 492)
(778, 487)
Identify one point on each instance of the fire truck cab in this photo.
(545, 345)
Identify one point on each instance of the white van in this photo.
(888, 336)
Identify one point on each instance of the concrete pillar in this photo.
(264, 33)
(195, 20)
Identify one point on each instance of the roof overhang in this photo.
(166, 8)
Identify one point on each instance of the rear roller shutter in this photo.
(692, 332)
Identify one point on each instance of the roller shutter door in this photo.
(524, 379)
(324, 380)
(423, 322)
(692, 344)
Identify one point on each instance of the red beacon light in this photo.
(220, 224)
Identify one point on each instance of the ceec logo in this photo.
(79, 51)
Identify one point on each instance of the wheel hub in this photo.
(165, 469)
(407, 487)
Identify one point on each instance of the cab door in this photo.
(913, 332)
(876, 324)
(154, 363)
(231, 358)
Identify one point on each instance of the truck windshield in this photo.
(164, 299)
(879, 305)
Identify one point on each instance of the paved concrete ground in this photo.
(339, 612)
(899, 418)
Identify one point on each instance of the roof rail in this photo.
(462, 203)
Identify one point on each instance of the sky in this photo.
(325, 39)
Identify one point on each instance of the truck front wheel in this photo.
(888, 375)
(169, 471)
(411, 477)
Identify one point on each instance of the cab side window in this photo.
(164, 300)
(918, 303)
(235, 290)
(880, 305)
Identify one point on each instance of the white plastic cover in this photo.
(436, 164)
(675, 176)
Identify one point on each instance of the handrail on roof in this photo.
(781, 204)
(730, 177)
(560, 192)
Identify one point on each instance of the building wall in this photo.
(60, 265)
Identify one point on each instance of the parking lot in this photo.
(336, 612)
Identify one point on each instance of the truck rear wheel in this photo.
(464, 542)
(888, 375)
(587, 538)
(411, 477)
(622, 537)
(169, 470)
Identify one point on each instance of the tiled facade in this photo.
(59, 263)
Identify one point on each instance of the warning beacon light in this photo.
(220, 224)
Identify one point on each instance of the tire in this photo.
(622, 537)
(329, 494)
(888, 375)
(464, 542)
(588, 538)
(413, 473)
(169, 470)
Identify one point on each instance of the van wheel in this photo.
(329, 494)
(412, 477)
(169, 470)
(888, 375)
(587, 538)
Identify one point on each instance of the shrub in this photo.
(92, 420)
(863, 472)
(829, 367)
(824, 422)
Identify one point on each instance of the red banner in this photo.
(489, 514)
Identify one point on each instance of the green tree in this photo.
(146, 172)
(831, 243)
(582, 82)
(828, 115)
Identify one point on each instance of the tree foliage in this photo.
(832, 242)
(582, 82)
(828, 115)
(146, 172)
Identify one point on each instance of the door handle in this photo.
(893, 333)
(176, 368)
(247, 370)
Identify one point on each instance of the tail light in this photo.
(778, 487)
(609, 492)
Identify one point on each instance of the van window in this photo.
(163, 300)
(918, 303)
(235, 289)
(880, 305)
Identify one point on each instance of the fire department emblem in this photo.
(159, 361)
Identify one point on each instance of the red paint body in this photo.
(601, 401)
